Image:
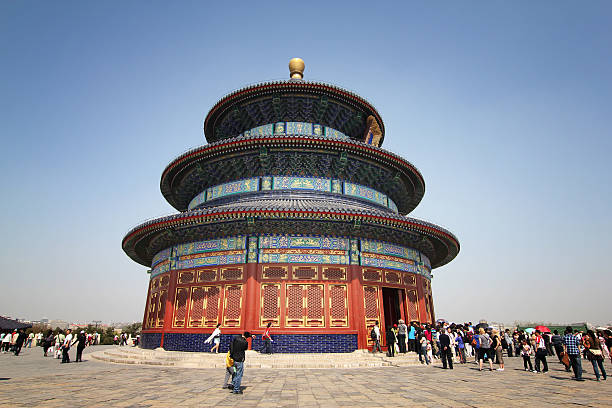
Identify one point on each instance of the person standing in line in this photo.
(267, 339)
(412, 338)
(526, 353)
(557, 343)
(572, 348)
(66, 346)
(604, 348)
(594, 353)
(460, 348)
(81, 343)
(390, 342)
(375, 335)
(238, 347)
(215, 337)
(484, 349)
(541, 352)
(509, 342)
(498, 350)
(402, 331)
(423, 342)
(445, 350)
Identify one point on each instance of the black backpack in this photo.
(373, 334)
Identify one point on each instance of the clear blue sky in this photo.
(505, 108)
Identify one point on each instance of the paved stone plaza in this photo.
(31, 380)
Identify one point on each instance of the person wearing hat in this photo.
(81, 343)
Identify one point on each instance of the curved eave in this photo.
(445, 243)
(289, 85)
(229, 146)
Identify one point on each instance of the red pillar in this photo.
(357, 316)
(251, 315)
(421, 300)
(168, 312)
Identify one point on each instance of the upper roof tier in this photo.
(294, 100)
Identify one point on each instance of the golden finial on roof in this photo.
(296, 68)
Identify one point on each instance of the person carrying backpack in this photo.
(375, 336)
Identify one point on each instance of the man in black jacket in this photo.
(238, 346)
(19, 343)
(445, 352)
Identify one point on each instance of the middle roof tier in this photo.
(343, 163)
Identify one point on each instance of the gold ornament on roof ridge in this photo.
(296, 68)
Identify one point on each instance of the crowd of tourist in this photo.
(456, 343)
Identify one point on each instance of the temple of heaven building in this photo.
(294, 215)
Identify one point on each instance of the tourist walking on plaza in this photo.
(540, 352)
(267, 339)
(594, 353)
(29, 340)
(215, 337)
(402, 331)
(445, 350)
(230, 372)
(19, 342)
(484, 349)
(47, 342)
(604, 347)
(572, 348)
(66, 346)
(81, 343)
(498, 350)
(238, 347)
(375, 335)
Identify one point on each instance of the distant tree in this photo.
(132, 329)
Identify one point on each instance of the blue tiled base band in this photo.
(150, 340)
(281, 343)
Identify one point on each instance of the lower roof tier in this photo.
(289, 216)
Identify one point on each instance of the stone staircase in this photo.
(159, 357)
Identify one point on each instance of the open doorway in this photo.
(392, 306)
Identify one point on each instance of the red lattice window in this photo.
(207, 275)
(233, 305)
(152, 310)
(413, 310)
(231, 273)
(371, 275)
(274, 272)
(409, 280)
(338, 311)
(196, 312)
(164, 281)
(180, 307)
(370, 302)
(186, 277)
(334, 274)
(295, 305)
(213, 298)
(304, 273)
(314, 304)
(161, 308)
(270, 304)
(393, 277)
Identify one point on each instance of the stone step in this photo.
(253, 360)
